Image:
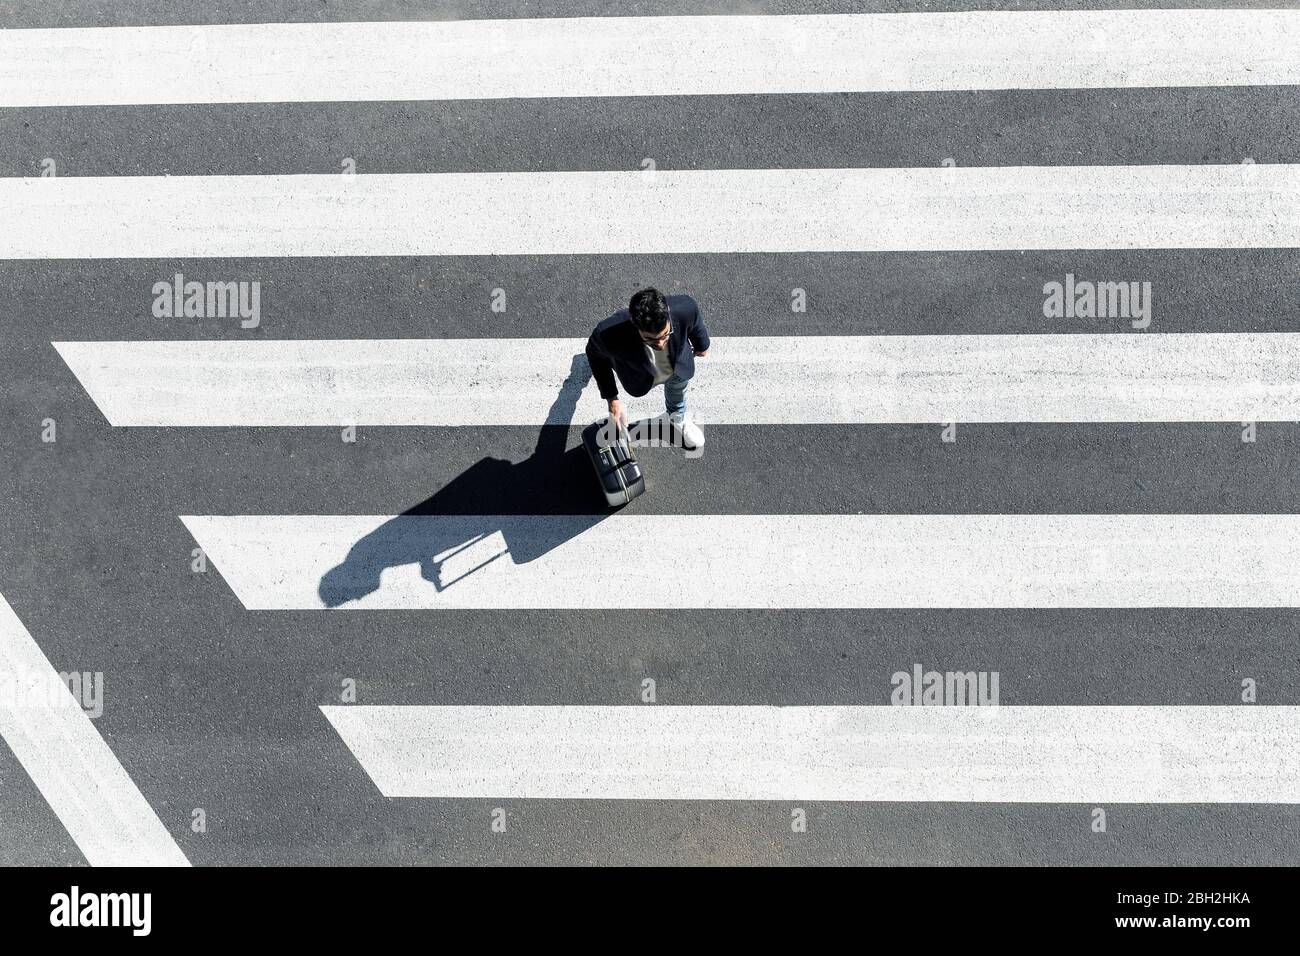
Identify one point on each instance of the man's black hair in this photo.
(649, 310)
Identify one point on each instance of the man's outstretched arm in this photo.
(602, 369)
(698, 334)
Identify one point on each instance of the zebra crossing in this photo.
(755, 561)
(656, 56)
(827, 502)
(654, 211)
(991, 754)
(790, 380)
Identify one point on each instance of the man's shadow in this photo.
(535, 505)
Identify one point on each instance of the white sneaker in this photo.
(692, 437)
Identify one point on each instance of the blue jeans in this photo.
(675, 395)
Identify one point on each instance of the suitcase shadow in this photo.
(492, 510)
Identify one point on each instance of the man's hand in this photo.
(616, 412)
(702, 354)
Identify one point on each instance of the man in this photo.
(654, 341)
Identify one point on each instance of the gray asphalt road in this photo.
(208, 705)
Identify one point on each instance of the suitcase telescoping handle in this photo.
(620, 430)
(622, 433)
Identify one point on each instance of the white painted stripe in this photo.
(1139, 377)
(74, 769)
(630, 561)
(696, 211)
(1059, 754)
(647, 56)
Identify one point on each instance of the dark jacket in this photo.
(616, 346)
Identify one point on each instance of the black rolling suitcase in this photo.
(615, 462)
